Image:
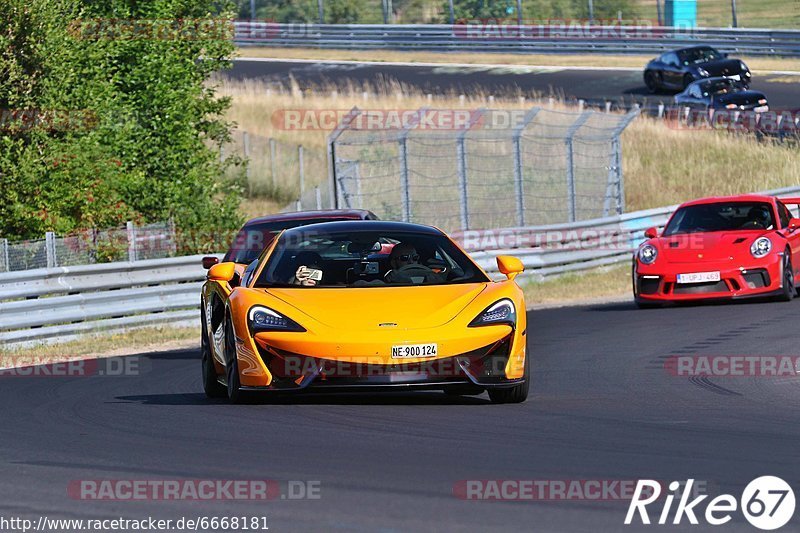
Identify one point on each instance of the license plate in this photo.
(404, 351)
(698, 277)
(761, 109)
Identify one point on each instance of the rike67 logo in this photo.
(767, 503)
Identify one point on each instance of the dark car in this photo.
(259, 232)
(678, 69)
(722, 93)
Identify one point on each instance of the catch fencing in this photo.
(511, 38)
(131, 242)
(483, 169)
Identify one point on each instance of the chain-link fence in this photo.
(459, 169)
(126, 243)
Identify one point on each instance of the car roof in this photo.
(344, 226)
(354, 214)
(696, 47)
(737, 198)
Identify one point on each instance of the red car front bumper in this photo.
(659, 283)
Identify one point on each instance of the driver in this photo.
(309, 269)
(760, 218)
(406, 267)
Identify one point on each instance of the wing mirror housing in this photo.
(222, 272)
(210, 261)
(651, 233)
(510, 266)
(794, 223)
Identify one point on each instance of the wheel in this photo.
(687, 80)
(517, 393)
(231, 365)
(788, 289)
(211, 385)
(651, 81)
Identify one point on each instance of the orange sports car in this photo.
(362, 305)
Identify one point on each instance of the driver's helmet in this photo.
(761, 216)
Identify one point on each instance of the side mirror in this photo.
(724, 55)
(210, 261)
(794, 223)
(651, 233)
(222, 272)
(510, 266)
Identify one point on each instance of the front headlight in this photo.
(743, 66)
(500, 312)
(265, 319)
(703, 72)
(731, 106)
(648, 254)
(761, 247)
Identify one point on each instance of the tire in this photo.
(651, 81)
(687, 80)
(232, 365)
(788, 290)
(517, 393)
(211, 385)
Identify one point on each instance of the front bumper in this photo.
(658, 283)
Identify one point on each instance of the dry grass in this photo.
(756, 63)
(607, 282)
(662, 166)
(91, 346)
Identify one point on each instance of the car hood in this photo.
(721, 67)
(365, 308)
(745, 98)
(706, 247)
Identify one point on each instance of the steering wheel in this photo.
(408, 271)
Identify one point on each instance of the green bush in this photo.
(142, 123)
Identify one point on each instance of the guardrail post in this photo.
(4, 252)
(131, 241)
(50, 248)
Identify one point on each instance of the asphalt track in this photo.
(602, 407)
(622, 87)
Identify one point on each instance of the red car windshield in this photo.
(253, 238)
(723, 216)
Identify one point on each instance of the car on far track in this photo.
(722, 93)
(677, 69)
(720, 248)
(365, 305)
(258, 233)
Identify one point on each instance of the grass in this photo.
(749, 13)
(756, 63)
(104, 345)
(601, 283)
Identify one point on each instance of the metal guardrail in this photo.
(481, 37)
(58, 304)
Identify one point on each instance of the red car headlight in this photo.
(761, 247)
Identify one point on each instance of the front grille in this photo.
(649, 285)
(756, 279)
(701, 288)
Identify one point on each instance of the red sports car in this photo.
(720, 248)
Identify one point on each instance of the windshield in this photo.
(722, 87)
(699, 55)
(366, 258)
(253, 238)
(721, 217)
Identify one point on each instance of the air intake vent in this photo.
(739, 240)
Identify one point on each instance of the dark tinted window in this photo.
(725, 216)
(699, 55)
(784, 214)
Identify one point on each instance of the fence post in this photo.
(50, 248)
(321, 9)
(403, 153)
(246, 143)
(318, 195)
(461, 167)
(571, 187)
(518, 173)
(332, 138)
(272, 161)
(131, 241)
(302, 169)
(4, 251)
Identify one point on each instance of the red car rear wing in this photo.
(793, 201)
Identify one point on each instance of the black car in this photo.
(676, 70)
(721, 93)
